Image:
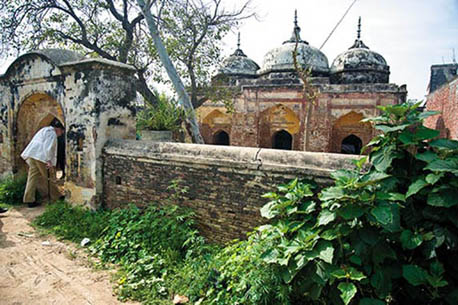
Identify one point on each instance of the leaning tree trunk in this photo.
(183, 96)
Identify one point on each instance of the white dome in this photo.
(281, 59)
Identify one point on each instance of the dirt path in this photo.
(41, 270)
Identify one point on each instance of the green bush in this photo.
(386, 235)
(12, 190)
(165, 115)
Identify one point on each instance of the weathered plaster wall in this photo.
(225, 183)
(445, 100)
(94, 99)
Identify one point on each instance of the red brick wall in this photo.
(444, 100)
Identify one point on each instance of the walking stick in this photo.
(49, 189)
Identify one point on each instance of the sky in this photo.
(410, 34)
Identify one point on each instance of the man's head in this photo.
(58, 127)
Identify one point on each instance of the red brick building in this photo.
(271, 109)
(443, 97)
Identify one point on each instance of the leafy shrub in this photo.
(386, 235)
(73, 222)
(12, 190)
(165, 115)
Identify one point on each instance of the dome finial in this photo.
(296, 36)
(358, 42)
(238, 51)
(359, 28)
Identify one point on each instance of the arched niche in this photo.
(221, 138)
(349, 127)
(282, 140)
(213, 123)
(351, 145)
(274, 120)
(35, 112)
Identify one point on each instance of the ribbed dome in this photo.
(281, 59)
(359, 65)
(238, 64)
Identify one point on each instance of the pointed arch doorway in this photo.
(35, 112)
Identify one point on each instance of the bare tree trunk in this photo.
(183, 96)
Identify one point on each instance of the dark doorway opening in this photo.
(282, 140)
(221, 138)
(351, 145)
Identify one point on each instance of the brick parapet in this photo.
(224, 183)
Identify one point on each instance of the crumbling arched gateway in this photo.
(93, 98)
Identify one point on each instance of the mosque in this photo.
(273, 109)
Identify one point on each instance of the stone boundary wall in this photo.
(224, 183)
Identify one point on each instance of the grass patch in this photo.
(72, 222)
(158, 250)
(12, 190)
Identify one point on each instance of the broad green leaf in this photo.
(426, 114)
(331, 193)
(348, 292)
(443, 166)
(326, 217)
(427, 156)
(407, 137)
(414, 274)
(436, 268)
(325, 251)
(367, 301)
(425, 133)
(374, 176)
(445, 198)
(410, 240)
(344, 175)
(433, 178)
(383, 158)
(348, 273)
(390, 196)
(270, 195)
(307, 207)
(267, 210)
(383, 213)
(444, 144)
(386, 128)
(415, 187)
(350, 211)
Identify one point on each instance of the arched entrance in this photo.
(282, 140)
(221, 138)
(35, 112)
(351, 145)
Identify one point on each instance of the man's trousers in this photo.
(38, 178)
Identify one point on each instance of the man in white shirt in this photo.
(41, 155)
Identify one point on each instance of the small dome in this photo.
(281, 59)
(238, 64)
(359, 65)
(58, 56)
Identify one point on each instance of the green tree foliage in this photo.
(383, 235)
(115, 29)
